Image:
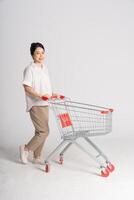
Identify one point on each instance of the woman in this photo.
(36, 85)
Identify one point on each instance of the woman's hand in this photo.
(46, 96)
(56, 95)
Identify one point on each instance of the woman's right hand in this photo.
(45, 96)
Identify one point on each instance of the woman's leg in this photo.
(39, 116)
(37, 152)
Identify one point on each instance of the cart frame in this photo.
(80, 120)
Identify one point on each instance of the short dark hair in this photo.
(34, 46)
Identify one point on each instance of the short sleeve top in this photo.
(37, 78)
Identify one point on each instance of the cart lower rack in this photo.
(75, 120)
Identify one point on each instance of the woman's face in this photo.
(39, 55)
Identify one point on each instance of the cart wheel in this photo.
(110, 167)
(47, 168)
(105, 173)
(61, 160)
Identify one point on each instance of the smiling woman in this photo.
(36, 84)
(37, 52)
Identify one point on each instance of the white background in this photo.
(89, 52)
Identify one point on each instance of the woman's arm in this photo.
(31, 92)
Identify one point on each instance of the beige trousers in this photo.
(39, 116)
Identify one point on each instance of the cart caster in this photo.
(61, 160)
(110, 167)
(105, 172)
(47, 168)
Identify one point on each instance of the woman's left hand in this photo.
(56, 95)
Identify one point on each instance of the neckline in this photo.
(39, 67)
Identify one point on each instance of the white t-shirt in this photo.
(37, 78)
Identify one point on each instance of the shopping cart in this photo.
(75, 120)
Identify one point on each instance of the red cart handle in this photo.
(107, 111)
(52, 97)
(111, 110)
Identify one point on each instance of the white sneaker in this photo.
(37, 161)
(23, 154)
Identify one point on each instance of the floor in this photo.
(78, 177)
